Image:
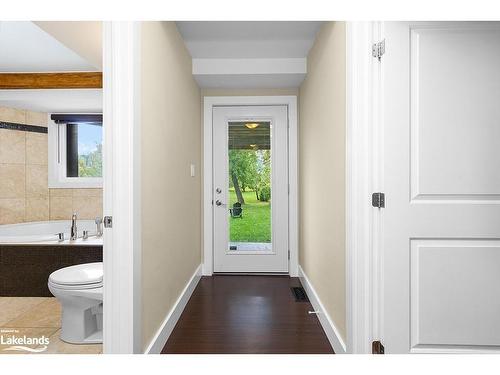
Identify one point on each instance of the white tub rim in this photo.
(50, 238)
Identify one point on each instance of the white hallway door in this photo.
(441, 242)
(253, 237)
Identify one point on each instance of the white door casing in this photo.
(122, 322)
(441, 221)
(275, 260)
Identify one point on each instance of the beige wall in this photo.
(322, 170)
(171, 199)
(24, 192)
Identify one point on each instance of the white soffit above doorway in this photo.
(249, 54)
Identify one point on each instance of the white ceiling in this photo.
(25, 47)
(255, 46)
(50, 101)
(248, 39)
(83, 37)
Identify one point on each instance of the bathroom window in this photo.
(83, 150)
(75, 151)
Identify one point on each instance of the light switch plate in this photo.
(192, 170)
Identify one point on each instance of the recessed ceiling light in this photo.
(251, 125)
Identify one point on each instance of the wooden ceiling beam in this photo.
(74, 80)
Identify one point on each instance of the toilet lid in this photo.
(81, 274)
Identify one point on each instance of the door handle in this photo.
(218, 203)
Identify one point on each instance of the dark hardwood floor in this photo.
(247, 314)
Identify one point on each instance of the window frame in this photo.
(57, 177)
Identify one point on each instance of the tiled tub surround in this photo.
(24, 192)
(25, 269)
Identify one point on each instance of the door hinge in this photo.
(377, 347)
(288, 254)
(378, 49)
(378, 200)
(108, 221)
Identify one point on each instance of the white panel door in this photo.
(250, 160)
(441, 242)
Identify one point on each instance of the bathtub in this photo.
(46, 232)
(30, 252)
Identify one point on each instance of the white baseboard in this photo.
(166, 328)
(331, 331)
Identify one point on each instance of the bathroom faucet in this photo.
(74, 233)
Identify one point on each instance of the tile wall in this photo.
(24, 192)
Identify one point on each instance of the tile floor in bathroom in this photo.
(36, 317)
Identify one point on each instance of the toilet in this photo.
(79, 290)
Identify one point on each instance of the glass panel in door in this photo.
(249, 151)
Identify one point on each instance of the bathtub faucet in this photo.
(98, 223)
(74, 233)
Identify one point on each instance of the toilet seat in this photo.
(75, 286)
(79, 275)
